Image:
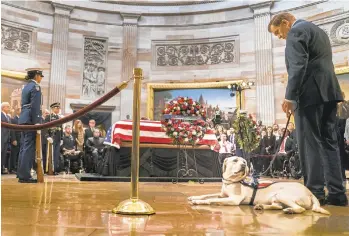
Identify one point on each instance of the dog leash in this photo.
(278, 147)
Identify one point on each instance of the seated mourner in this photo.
(287, 147)
(94, 150)
(69, 150)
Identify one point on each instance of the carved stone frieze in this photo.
(337, 31)
(196, 52)
(15, 39)
(95, 51)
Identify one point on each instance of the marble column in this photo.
(129, 61)
(58, 75)
(264, 63)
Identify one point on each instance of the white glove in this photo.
(50, 140)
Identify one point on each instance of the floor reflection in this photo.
(64, 206)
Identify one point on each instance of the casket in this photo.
(151, 135)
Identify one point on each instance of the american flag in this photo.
(150, 132)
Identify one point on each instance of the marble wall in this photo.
(200, 24)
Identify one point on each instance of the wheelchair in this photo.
(291, 167)
(72, 164)
(92, 163)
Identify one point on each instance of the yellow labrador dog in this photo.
(292, 197)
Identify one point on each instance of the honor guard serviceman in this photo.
(56, 133)
(30, 115)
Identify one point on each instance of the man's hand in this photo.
(287, 107)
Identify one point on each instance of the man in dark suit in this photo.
(312, 93)
(15, 143)
(30, 115)
(285, 151)
(89, 131)
(5, 135)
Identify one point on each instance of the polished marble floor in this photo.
(65, 206)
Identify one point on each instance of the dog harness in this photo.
(255, 184)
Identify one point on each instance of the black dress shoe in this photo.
(28, 180)
(322, 198)
(337, 200)
(322, 201)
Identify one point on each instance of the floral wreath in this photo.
(247, 135)
(183, 121)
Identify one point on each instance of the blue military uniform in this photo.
(30, 115)
(56, 133)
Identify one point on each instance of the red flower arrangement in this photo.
(181, 131)
(184, 106)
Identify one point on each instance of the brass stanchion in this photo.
(38, 152)
(135, 206)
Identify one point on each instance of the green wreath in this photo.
(246, 132)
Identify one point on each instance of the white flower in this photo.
(194, 103)
(175, 133)
(183, 112)
(175, 102)
(169, 122)
(186, 104)
(172, 129)
(186, 140)
(188, 111)
(197, 112)
(197, 140)
(185, 98)
(170, 113)
(194, 132)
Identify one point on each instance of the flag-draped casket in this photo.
(150, 132)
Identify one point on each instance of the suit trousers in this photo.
(44, 155)
(56, 156)
(318, 148)
(26, 154)
(4, 146)
(14, 156)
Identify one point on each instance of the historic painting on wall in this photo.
(213, 99)
(343, 110)
(93, 83)
(11, 91)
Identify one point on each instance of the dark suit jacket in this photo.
(289, 145)
(5, 133)
(293, 136)
(88, 134)
(268, 142)
(311, 76)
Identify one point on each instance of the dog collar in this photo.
(250, 185)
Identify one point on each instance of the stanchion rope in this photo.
(71, 117)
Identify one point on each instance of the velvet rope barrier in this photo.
(71, 117)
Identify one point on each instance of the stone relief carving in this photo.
(95, 51)
(340, 32)
(194, 54)
(337, 32)
(15, 39)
